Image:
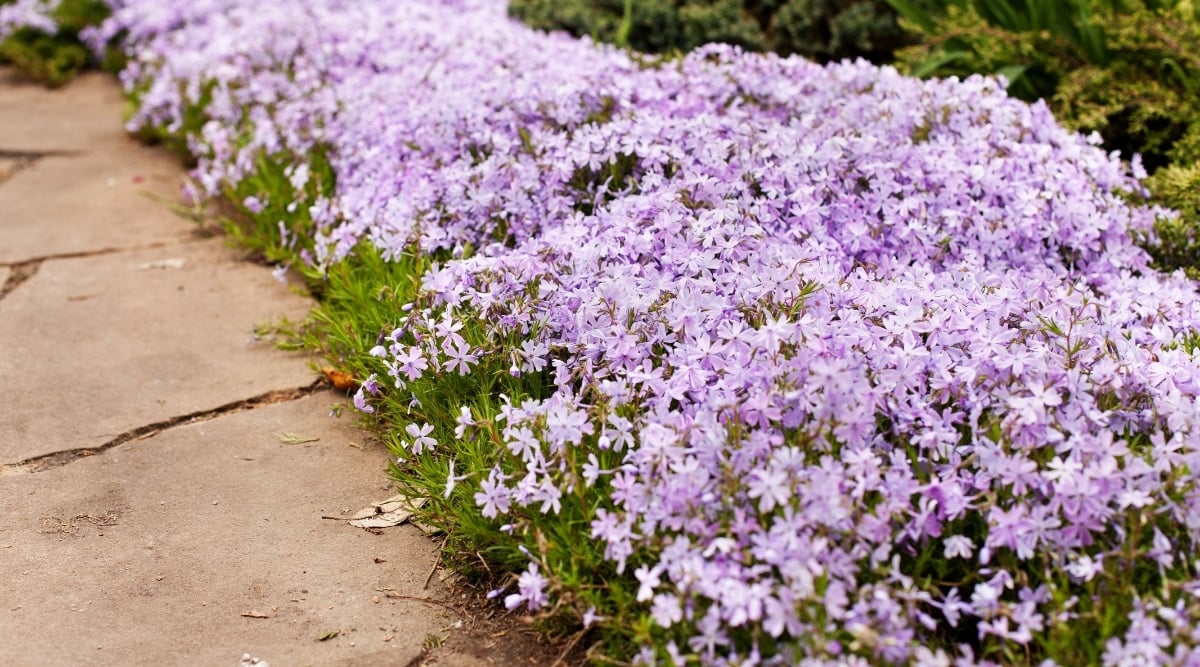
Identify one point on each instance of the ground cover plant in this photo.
(730, 359)
(1128, 70)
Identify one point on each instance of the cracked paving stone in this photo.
(10, 166)
(85, 113)
(154, 550)
(97, 346)
(91, 202)
(16, 275)
(64, 457)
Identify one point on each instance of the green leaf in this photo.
(1012, 72)
(1002, 14)
(626, 26)
(936, 62)
(1171, 65)
(914, 14)
(1091, 36)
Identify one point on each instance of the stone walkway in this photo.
(166, 477)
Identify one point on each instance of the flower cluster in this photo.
(31, 14)
(839, 366)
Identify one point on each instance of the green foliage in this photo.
(1145, 97)
(1032, 42)
(58, 58)
(260, 231)
(1178, 246)
(827, 30)
(50, 59)
(362, 301)
(1129, 70)
(819, 29)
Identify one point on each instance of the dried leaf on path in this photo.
(293, 439)
(171, 263)
(340, 379)
(387, 513)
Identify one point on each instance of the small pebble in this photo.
(216, 502)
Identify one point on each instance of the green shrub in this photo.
(819, 29)
(1128, 70)
(1178, 243)
(58, 58)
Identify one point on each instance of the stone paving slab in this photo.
(94, 201)
(88, 113)
(150, 553)
(96, 346)
(9, 166)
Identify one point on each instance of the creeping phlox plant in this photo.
(825, 365)
(32, 14)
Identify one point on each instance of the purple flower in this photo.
(531, 590)
(648, 580)
(421, 441)
(411, 362)
(253, 204)
(493, 496)
(957, 546)
(459, 356)
(360, 401)
(666, 610)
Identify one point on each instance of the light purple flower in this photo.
(421, 440)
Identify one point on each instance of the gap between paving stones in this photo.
(26, 269)
(36, 155)
(10, 167)
(13, 162)
(53, 460)
(21, 272)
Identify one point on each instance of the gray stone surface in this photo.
(86, 115)
(97, 346)
(150, 553)
(9, 166)
(95, 201)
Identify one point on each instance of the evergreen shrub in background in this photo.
(43, 42)
(1129, 70)
(821, 30)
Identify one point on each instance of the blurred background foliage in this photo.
(1127, 69)
(821, 30)
(55, 58)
